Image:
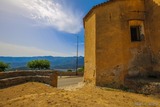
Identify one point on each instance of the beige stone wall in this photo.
(90, 52)
(109, 52)
(153, 30)
(136, 55)
(116, 56)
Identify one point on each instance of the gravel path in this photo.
(68, 81)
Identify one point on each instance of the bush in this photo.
(39, 64)
(81, 69)
(69, 70)
(3, 66)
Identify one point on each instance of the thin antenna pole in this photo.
(77, 57)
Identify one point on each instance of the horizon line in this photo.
(42, 56)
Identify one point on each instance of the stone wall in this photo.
(108, 44)
(8, 79)
(70, 74)
(117, 55)
(110, 55)
(153, 30)
(90, 50)
(143, 85)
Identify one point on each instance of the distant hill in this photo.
(56, 62)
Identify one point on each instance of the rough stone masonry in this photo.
(122, 40)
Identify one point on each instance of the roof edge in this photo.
(94, 7)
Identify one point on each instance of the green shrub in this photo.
(69, 70)
(3, 66)
(39, 64)
(81, 69)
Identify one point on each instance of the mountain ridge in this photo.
(56, 62)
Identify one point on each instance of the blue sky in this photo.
(42, 27)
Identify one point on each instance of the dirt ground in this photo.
(40, 95)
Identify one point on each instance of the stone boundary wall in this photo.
(70, 74)
(8, 79)
(143, 85)
(11, 74)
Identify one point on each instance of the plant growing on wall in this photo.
(39, 64)
(3, 66)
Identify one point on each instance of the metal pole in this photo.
(77, 57)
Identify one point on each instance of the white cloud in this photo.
(54, 13)
(16, 50)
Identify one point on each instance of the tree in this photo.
(39, 64)
(69, 70)
(3, 66)
(81, 69)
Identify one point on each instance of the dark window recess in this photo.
(135, 33)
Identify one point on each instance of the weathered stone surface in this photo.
(143, 85)
(70, 73)
(110, 55)
(8, 79)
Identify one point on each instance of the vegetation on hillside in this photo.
(81, 69)
(3, 66)
(69, 70)
(39, 64)
(19, 63)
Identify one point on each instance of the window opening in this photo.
(135, 33)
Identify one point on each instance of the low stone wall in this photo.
(143, 85)
(70, 74)
(8, 79)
